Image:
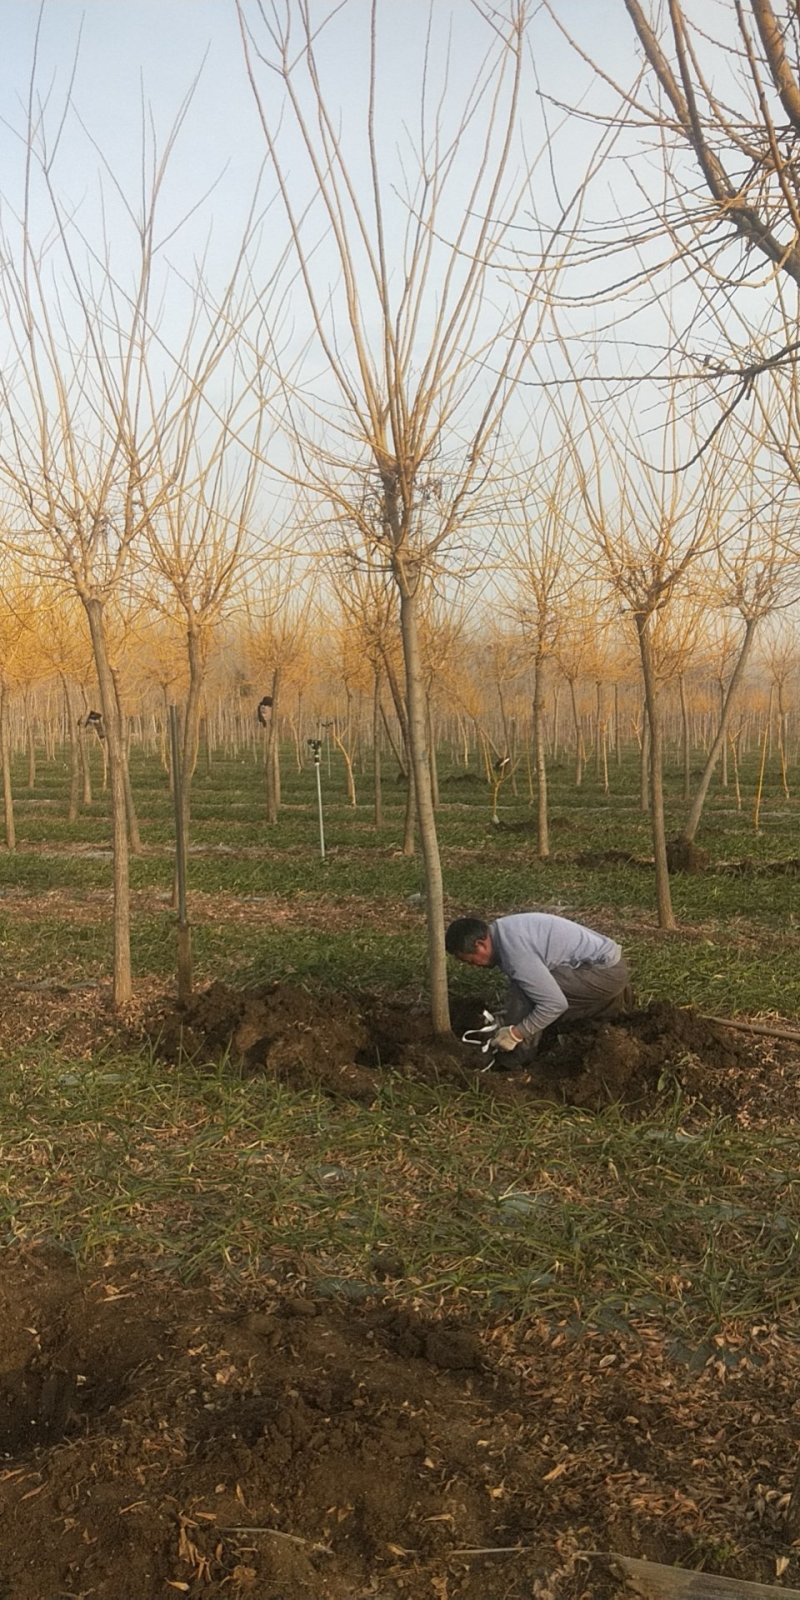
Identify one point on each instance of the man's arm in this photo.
(547, 1001)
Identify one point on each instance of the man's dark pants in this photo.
(590, 990)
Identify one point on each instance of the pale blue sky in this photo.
(154, 48)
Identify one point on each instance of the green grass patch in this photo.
(541, 1212)
(552, 1212)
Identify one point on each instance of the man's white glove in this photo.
(507, 1039)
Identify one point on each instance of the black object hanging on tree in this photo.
(93, 719)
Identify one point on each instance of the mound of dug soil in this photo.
(160, 1441)
(597, 1062)
(343, 1043)
(339, 1042)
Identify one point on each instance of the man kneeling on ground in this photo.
(556, 968)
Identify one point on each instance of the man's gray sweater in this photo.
(527, 946)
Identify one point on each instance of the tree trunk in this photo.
(134, 837)
(762, 765)
(724, 751)
(191, 720)
(686, 745)
(783, 721)
(270, 753)
(578, 735)
(401, 712)
(434, 766)
(86, 767)
(163, 723)
(696, 810)
(540, 758)
(666, 917)
(407, 767)
(74, 739)
(348, 765)
(122, 982)
(276, 769)
(190, 739)
(401, 764)
(506, 751)
(31, 748)
(512, 728)
(644, 764)
(5, 761)
(376, 751)
(409, 821)
(737, 785)
(420, 764)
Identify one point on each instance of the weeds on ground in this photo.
(552, 1212)
(444, 1192)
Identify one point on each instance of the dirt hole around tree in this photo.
(345, 1044)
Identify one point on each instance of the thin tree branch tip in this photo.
(767, 1030)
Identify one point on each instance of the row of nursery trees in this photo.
(169, 431)
(336, 672)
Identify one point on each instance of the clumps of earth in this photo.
(158, 1439)
(345, 1044)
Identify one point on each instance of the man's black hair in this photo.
(463, 935)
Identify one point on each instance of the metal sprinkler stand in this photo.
(315, 746)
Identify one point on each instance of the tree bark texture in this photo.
(666, 917)
(420, 763)
(122, 980)
(696, 808)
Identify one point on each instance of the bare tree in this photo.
(780, 650)
(422, 340)
(66, 651)
(741, 131)
(537, 532)
(721, 106)
(17, 612)
(94, 395)
(196, 542)
(70, 401)
(275, 642)
(752, 579)
(574, 650)
(370, 602)
(650, 526)
(503, 655)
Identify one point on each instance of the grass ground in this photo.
(124, 1148)
(630, 1281)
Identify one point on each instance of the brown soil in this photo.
(157, 1440)
(345, 1044)
(611, 858)
(283, 1443)
(692, 858)
(683, 856)
(789, 867)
